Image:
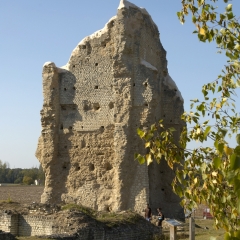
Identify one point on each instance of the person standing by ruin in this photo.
(148, 213)
(160, 216)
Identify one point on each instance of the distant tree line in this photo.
(21, 176)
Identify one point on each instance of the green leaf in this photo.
(220, 147)
(140, 133)
(147, 144)
(236, 184)
(238, 139)
(179, 14)
(153, 127)
(227, 235)
(229, 8)
(237, 150)
(224, 132)
(136, 155)
(207, 130)
(141, 159)
(172, 129)
(230, 16)
(238, 208)
(149, 136)
(234, 162)
(149, 159)
(217, 162)
(194, 19)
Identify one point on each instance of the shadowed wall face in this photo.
(115, 82)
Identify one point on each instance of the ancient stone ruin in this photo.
(115, 81)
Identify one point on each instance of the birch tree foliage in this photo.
(210, 173)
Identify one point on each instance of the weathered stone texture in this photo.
(115, 81)
(72, 226)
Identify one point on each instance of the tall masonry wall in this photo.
(116, 81)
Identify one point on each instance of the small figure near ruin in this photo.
(160, 216)
(148, 213)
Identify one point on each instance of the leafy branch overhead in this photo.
(209, 173)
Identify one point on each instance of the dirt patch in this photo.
(21, 194)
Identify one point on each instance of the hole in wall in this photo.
(73, 66)
(171, 120)
(108, 208)
(53, 88)
(84, 47)
(91, 167)
(100, 154)
(63, 107)
(111, 105)
(85, 107)
(134, 84)
(76, 146)
(96, 87)
(108, 166)
(146, 104)
(102, 127)
(77, 167)
(64, 166)
(70, 127)
(61, 126)
(96, 106)
(96, 64)
(74, 88)
(162, 189)
(65, 146)
(145, 84)
(83, 144)
(65, 89)
(164, 115)
(82, 127)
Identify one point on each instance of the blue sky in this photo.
(34, 32)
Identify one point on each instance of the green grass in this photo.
(204, 230)
(88, 211)
(8, 200)
(116, 219)
(111, 219)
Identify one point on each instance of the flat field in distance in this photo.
(20, 193)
